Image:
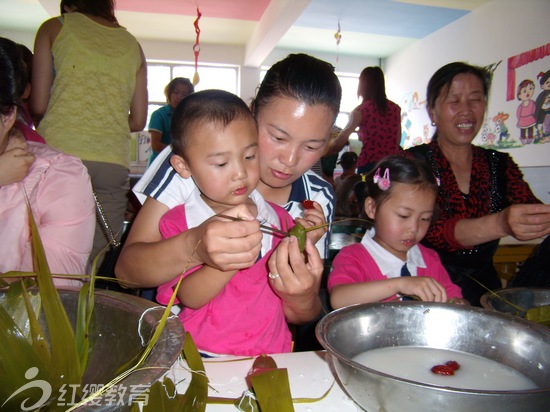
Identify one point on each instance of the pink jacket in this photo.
(60, 195)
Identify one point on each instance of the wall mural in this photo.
(519, 106)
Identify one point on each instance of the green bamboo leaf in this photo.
(163, 397)
(272, 390)
(17, 361)
(38, 337)
(65, 363)
(197, 393)
(84, 316)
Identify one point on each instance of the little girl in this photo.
(389, 262)
(245, 312)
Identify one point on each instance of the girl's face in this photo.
(403, 219)
(177, 95)
(293, 137)
(526, 92)
(459, 110)
(223, 162)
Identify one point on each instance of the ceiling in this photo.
(369, 28)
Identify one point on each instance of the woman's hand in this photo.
(299, 279)
(15, 162)
(313, 216)
(526, 221)
(426, 288)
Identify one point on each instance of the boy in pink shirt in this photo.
(240, 312)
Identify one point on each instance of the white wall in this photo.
(494, 32)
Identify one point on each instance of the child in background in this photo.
(389, 261)
(215, 143)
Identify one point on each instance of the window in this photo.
(159, 74)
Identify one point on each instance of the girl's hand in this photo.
(299, 279)
(313, 216)
(426, 288)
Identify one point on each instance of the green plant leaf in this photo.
(65, 364)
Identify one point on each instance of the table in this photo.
(310, 376)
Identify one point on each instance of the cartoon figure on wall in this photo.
(501, 130)
(542, 107)
(526, 111)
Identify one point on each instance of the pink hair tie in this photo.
(382, 182)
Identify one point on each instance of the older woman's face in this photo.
(459, 110)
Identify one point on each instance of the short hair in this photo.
(301, 77)
(170, 87)
(214, 106)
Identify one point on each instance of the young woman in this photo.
(389, 261)
(295, 107)
(89, 91)
(377, 119)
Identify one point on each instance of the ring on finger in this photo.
(273, 276)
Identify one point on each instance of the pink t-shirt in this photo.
(246, 317)
(354, 264)
(60, 195)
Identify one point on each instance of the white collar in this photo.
(391, 265)
(197, 211)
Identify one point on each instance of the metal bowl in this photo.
(120, 329)
(519, 344)
(525, 298)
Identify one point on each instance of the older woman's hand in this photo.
(313, 217)
(15, 162)
(526, 221)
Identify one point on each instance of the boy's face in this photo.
(223, 162)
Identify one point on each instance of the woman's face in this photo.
(459, 110)
(179, 92)
(293, 137)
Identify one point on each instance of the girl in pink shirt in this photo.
(389, 261)
(238, 312)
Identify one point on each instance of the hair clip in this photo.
(382, 182)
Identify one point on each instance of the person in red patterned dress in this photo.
(378, 120)
(482, 194)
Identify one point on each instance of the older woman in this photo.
(55, 185)
(482, 195)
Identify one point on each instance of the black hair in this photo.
(170, 87)
(400, 170)
(99, 8)
(12, 76)
(444, 77)
(372, 85)
(301, 77)
(215, 106)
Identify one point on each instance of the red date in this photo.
(448, 369)
(308, 204)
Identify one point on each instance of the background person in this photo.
(57, 187)
(159, 125)
(377, 121)
(482, 195)
(96, 98)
